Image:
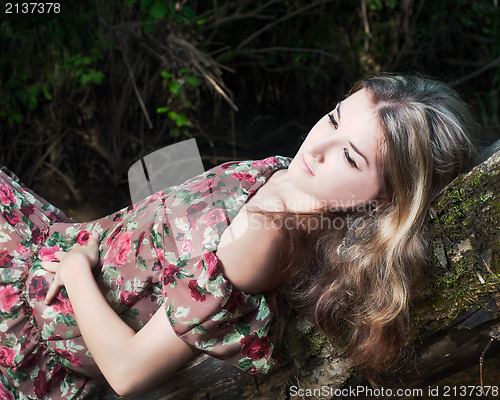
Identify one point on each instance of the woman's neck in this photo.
(279, 194)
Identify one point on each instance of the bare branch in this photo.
(493, 64)
(279, 21)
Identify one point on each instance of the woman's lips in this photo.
(306, 167)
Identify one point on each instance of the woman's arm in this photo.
(131, 362)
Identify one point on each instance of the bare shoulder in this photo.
(250, 252)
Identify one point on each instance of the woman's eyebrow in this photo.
(351, 143)
(359, 152)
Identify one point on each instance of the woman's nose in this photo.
(318, 148)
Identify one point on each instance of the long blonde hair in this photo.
(365, 288)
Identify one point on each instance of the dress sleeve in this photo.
(208, 313)
(203, 307)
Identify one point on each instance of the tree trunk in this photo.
(455, 320)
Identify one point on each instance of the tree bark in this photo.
(455, 320)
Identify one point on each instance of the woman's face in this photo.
(338, 164)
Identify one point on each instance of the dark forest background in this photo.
(91, 86)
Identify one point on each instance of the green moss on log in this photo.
(464, 249)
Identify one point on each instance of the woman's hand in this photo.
(79, 256)
(130, 361)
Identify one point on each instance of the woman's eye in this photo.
(349, 159)
(333, 121)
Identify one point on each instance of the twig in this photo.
(197, 58)
(493, 64)
(296, 49)
(366, 25)
(495, 335)
(136, 90)
(238, 15)
(200, 59)
(409, 33)
(487, 266)
(45, 155)
(279, 21)
(233, 134)
(69, 182)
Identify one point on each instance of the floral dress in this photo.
(159, 252)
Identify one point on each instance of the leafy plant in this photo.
(177, 87)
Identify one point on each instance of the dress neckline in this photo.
(267, 169)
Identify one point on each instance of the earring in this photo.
(358, 229)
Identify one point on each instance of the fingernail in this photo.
(95, 235)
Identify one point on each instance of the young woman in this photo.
(206, 266)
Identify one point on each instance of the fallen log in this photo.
(454, 321)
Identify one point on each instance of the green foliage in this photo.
(80, 68)
(178, 88)
(56, 48)
(15, 91)
(156, 10)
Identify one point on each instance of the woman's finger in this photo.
(60, 255)
(53, 291)
(50, 266)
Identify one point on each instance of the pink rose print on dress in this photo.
(204, 185)
(6, 194)
(213, 217)
(7, 356)
(120, 249)
(48, 253)
(36, 236)
(235, 300)
(5, 394)
(187, 247)
(128, 297)
(5, 259)
(170, 274)
(152, 198)
(62, 305)
(68, 355)
(266, 161)
(211, 263)
(226, 165)
(38, 288)
(28, 210)
(58, 373)
(30, 361)
(82, 237)
(20, 249)
(193, 213)
(12, 219)
(115, 233)
(195, 291)
(117, 217)
(255, 347)
(8, 297)
(243, 177)
(41, 385)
